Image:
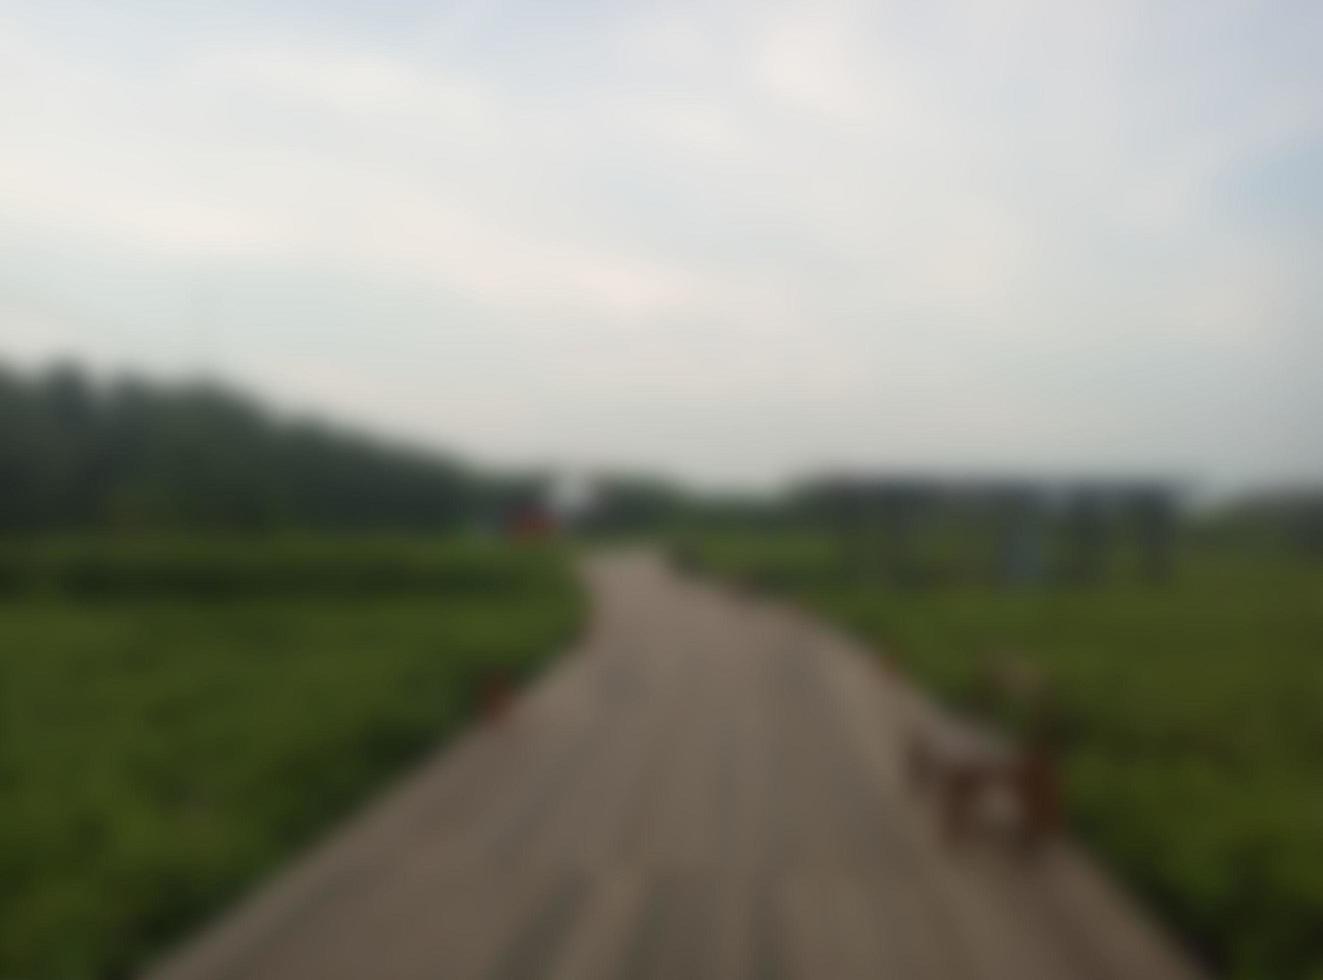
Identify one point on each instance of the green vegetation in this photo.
(176, 716)
(134, 455)
(1193, 717)
(286, 565)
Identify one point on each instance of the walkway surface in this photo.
(708, 787)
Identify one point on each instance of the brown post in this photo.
(497, 695)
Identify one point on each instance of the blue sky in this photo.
(732, 241)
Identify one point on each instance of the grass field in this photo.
(176, 716)
(1193, 717)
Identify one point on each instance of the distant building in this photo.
(560, 502)
(919, 530)
(571, 497)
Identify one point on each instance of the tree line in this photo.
(82, 454)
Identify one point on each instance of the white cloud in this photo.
(950, 220)
(805, 58)
(360, 84)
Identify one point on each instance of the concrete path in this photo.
(708, 787)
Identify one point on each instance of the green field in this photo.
(177, 716)
(1192, 712)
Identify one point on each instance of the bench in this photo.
(968, 769)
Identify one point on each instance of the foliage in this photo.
(269, 565)
(131, 455)
(159, 751)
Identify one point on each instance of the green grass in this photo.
(1193, 717)
(158, 752)
(282, 565)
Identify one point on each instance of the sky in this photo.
(732, 242)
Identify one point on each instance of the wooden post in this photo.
(1155, 523)
(1086, 531)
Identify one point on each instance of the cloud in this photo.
(927, 229)
(365, 85)
(804, 58)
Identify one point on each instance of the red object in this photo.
(532, 523)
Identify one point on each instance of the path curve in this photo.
(708, 787)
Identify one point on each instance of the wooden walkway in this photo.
(709, 787)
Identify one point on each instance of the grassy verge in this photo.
(1193, 720)
(161, 747)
